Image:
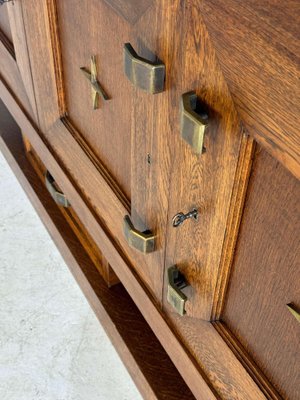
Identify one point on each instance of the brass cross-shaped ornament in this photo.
(97, 89)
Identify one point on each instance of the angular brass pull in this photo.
(142, 241)
(149, 76)
(57, 196)
(175, 296)
(192, 123)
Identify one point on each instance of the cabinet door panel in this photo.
(95, 148)
(94, 28)
(176, 179)
(266, 275)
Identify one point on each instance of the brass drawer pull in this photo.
(57, 196)
(192, 123)
(149, 76)
(175, 296)
(141, 241)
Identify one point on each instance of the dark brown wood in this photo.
(151, 368)
(265, 275)
(257, 44)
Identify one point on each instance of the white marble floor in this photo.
(52, 347)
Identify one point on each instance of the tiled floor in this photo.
(52, 347)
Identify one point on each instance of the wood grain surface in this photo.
(95, 29)
(130, 10)
(257, 44)
(4, 22)
(265, 275)
(15, 14)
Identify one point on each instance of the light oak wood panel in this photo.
(257, 44)
(95, 29)
(265, 275)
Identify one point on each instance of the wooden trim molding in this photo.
(233, 222)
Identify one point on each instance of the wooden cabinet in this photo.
(128, 165)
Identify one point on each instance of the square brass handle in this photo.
(193, 124)
(144, 74)
(141, 241)
(176, 282)
(59, 197)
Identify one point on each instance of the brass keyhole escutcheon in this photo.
(180, 217)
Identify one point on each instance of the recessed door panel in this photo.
(265, 276)
(88, 29)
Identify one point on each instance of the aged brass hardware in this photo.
(142, 241)
(175, 296)
(97, 89)
(57, 196)
(192, 123)
(179, 218)
(149, 76)
(293, 311)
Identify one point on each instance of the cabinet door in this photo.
(179, 178)
(263, 297)
(94, 142)
(127, 156)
